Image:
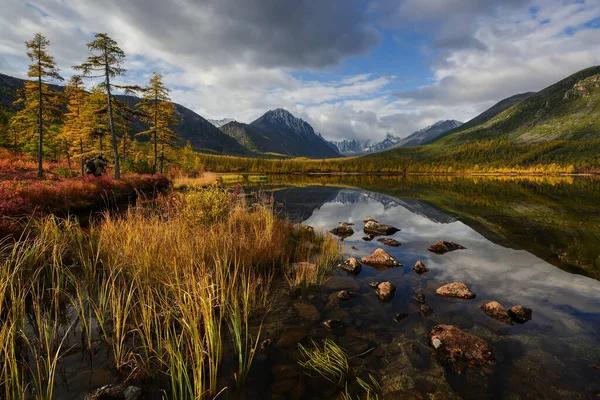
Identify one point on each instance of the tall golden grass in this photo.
(171, 287)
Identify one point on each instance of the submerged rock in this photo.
(425, 310)
(332, 324)
(375, 228)
(520, 314)
(307, 311)
(442, 246)
(419, 298)
(399, 317)
(385, 291)
(343, 230)
(351, 265)
(420, 267)
(496, 311)
(116, 391)
(374, 284)
(389, 242)
(346, 295)
(380, 258)
(460, 351)
(368, 237)
(457, 290)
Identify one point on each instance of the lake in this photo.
(530, 241)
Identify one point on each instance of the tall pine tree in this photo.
(40, 103)
(73, 129)
(160, 115)
(106, 61)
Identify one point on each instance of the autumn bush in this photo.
(60, 196)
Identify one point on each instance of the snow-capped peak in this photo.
(220, 122)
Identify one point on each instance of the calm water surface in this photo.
(529, 242)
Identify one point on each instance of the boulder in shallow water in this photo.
(419, 298)
(457, 290)
(346, 295)
(380, 258)
(332, 324)
(368, 219)
(375, 228)
(343, 230)
(425, 310)
(460, 351)
(389, 242)
(368, 237)
(399, 317)
(420, 267)
(351, 265)
(385, 291)
(497, 311)
(520, 314)
(442, 246)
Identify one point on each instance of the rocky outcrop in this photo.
(457, 290)
(520, 314)
(420, 267)
(343, 230)
(351, 265)
(380, 258)
(442, 246)
(460, 351)
(389, 242)
(497, 311)
(375, 228)
(385, 291)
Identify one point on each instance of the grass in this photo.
(329, 361)
(177, 287)
(204, 180)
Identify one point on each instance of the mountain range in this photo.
(278, 131)
(422, 136)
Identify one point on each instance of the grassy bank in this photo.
(172, 292)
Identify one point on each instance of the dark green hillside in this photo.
(569, 109)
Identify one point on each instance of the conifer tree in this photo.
(106, 61)
(160, 114)
(40, 103)
(73, 129)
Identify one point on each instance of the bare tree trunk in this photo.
(40, 170)
(162, 158)
(110, 120)
(68, 155)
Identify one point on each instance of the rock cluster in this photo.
(380, 258)
(457, 290)
(497, 311)
(385, 291)
(442, 246)
(461, 351)
(375, 228)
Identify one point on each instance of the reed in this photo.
(329, 361)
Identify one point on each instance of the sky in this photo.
(354, 69)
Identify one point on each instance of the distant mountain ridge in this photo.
(279, 131)
(191, 127)
(429, 133)
(359, 148)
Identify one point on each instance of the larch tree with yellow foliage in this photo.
(160, 115)
(41, 106)
(73, 128)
